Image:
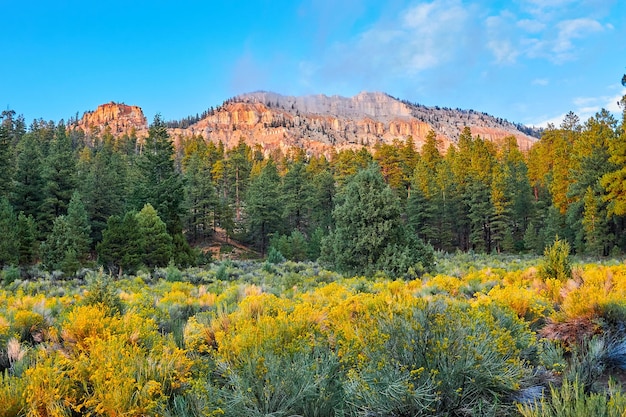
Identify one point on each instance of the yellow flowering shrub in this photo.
(600, 285)
(11, 395)
(524, 301)
(444, 283)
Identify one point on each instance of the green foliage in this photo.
(121, 245)
(296, 194)
(67, 246)
(294, 247)
(368, 230)
(103, 185)
(9, 254)
(275, 256)
(27, 239)
(156, 243)
(556, 263)
(571, 400)
(12, 390)
(28, 189)
(263, 206)
(10, 274)
(159, 184)
(7, 155)
(59, 176)
(101, 293)
(303, 383)
(413, 372)
(201, 202)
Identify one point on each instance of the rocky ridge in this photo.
(318, 123)
(120, 118)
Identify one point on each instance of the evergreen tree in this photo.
(67, 245)
(59, 176)
(56, 251)
(27, 239)
(78, 222)
(103, 186)
(426, 205)
(238, 167)
(420, 215)
(201, 201)
(121, 247)
(296, 195)
(589, 163)
(263, 206)
(161, 186)
(472, 166)
(369, 234)
(322, 201)
(388, 158)
(9, 249)
(28, 188)
(156, 243)
(501, 233)
(595, 226)
(7, 157)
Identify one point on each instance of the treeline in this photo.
(67, 201)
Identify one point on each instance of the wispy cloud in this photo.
(586, 107)
(569, 30)
(542, 38)
(425, 36)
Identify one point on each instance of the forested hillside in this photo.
(126, 203)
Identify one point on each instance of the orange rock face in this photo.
(120, 118)
(318, 124)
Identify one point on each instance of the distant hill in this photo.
(317, 123)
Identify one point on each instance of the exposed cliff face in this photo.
(120, 118)
(316, 123)
(320, 123)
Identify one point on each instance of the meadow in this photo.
(479, 336)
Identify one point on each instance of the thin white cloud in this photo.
(428, 35)
(544, 8)
(504, 51)
(444, 42)
(531, 25)
(500, 43)
(541, 82)
(586, 107)
(425, 36)
(554, 32)
(568, 31)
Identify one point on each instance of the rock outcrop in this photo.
(316, 123)
(120, 118)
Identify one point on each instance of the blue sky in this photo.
(529, 61)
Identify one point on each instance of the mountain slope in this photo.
(319, 123)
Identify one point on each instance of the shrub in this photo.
(441, 357)
(556, 262)
(10, 274)
(11, 395)
(101, 291)
(274, 256)
(571, 400)
(172, 273)
(303, 383)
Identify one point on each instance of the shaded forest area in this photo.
(70, 199)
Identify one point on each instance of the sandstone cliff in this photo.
(320, 123)
(120, 118)
(316, 123)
